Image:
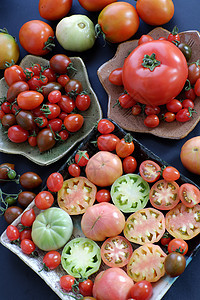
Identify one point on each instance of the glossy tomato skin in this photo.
(44, 200)
(73, 122)
(55, 182)
(103, 195)
(174, 264)
(52, 259)
(33, 35)
(125, 147)
(74, 170)
(178, 245)
(30, 180)
(170, 173)
(60, 63)
(129, 164)
(54, 10)
(26, 120)
(16, 88)
(25, 198)
(66, 282)
(12, 233)
(107, 142)
(105, 126)
(28, 217)
(142, 290)
(45, 139)
(29, 100)
(86, 287)
(189, 194)
(189, 155)
(173, 68)
(13, 74)
(155, 12)
(9, 49)
(27, 246)
(17, 134)
(150, 170)
(119, 21)
(95, 5)
(115, 77)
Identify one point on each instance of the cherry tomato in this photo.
(30, 180)
(188, 103)
(45, 139)
(184, 115)
(17, 134)
(55, 124)
(8, 120)
(13, 74)
(115, 77)
(194, 72)
(151, 121)
(73, 87)
(55, 182)
(178, 245)
(165, 239)
(37, 81)
(174, 105)
(25, 119)
(60, 63)
(74, 170)
(25, 234)
(44, 200)
(83, 101)
(63, 135)
(151, 110)
(126, 101)
(28, 217)
(81, 158)
(129, 164)
(41, 121)
(54, 96)
(32, 140)
(170, 174)
(36, 37)
(66, 282)
(5, 168)
(197, 87)
(5, 106)
(189, 194)
(25, 198)
(63, 79)
(136, 109)
(105, 126)
(125, 146)
(12, 233)
(149, 170)
(29, 100)
(50, 74)
(107, 142)
(142, 290)
(52, 260)
(16, 88)
(1, 113)
(51, 10)
(85, 287)
(62, 115)
(12, 213)
(174, 35)
(51, 110)
(73, 122)
(190, 94)
(169, 117)
(145, 38)
(27, 246)
(103, 195)
(174, 264)
(67, 104)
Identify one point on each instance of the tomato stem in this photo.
(150, 62)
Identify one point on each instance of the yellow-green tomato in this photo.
(9, 50)
(76, 33)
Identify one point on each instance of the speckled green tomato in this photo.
(76, 33)
(9, 49)
(52, 229)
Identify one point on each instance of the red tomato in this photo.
(174, 105)
(17, 134)
(32, 140)
(104, 288)
(189, 194)
(165, 239)
(149, 170)
(44, 200)
(126, 101)
(190, 155)
(54, 10)
(63, 79)
(103, 168)
(5, 106)
(174, 36)
(139, 79)
(36, 37)
(107, 142)
(52, 260)
(95, 5)
(50, 74)
(136, 109)
(54, 96)
(155, 12)
(184, 115)
(74, 170)
(63, 135)
(13, 74)
(41, 121)
(105, 126)
(27, 246)
(25, 234)
(55, 182)
(51, 110)
(102, 220)
(125, 146)
(142, 290)
(55, 124)
(115, 77)
(36, 82)
(60, 63)
(178, 245)
(193, 72)
(116, 251)
(164, 195)
(82, 101)
(29, 100)
(150, 110)
(188, 103)
(129, 164)
(12, 232)
(197, 87)
(170, 174)
(67, 104)
(36, 69)
(103, 195)
(66, 282)
(85, 287)
(119, 21)
(145, 38)
(73, 87)
(151, 121)
(190, 94)
(169, 117)
(73, 122)
(28, 217)
(81, 158)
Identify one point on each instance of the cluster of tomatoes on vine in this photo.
(43, 105)
(178, 109)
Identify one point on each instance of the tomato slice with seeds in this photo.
(164, 195)
(76, 195)
(150, 170)
(116, 251)
(189, 194)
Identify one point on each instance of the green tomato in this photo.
(9, 50)
(81, 257)
(76, 33)
(52, 229)
(130, 193)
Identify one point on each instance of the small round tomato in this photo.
(36, 37)
(12, 233)
(55, 182)
(81, 158)
(41, 121)
(142, 290)
(13, 74)
(194, 72)
(107, 142)
(149, 170)
(189, 194)
(8, 120)
(55, 124)
(28, 217)
(165, 239)
(170, 173)
(103, 195)
(85, 287)
(16, 88)
(30, 180)
(151, 110)
(74, 170)
(73, 87)
(51, 10)
(29, 100)
(145, 38)
(73, 122)
(32, 140)
(174, 35)
(25, 198)
(17, 134)
(136, 109)
(27, 246)
(184, 115)
(115, 77)
(174, 264)
(83, 101)
(125, 146)
(190, 94)
(12, 213)
(151, 121)
(37, 81)
(45, 139)
(169, 117)
(63, 135)
(63, 79)
(126, 101)
(25, 234)
(50, 74)
(67, 104)
(51, 110)
(129, 164)
(188, 103)
(66, 282)
(44, 200)
(60, 63)
(174, 105)
(54, 96)
(105, 126)
(178, 245)
(51, 260)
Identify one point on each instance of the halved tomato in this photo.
(145, 226)
(150, 170)
(183, 222)
(164, 195)
(116, 251)
(147, 263)
(76, 195)
(189, 194)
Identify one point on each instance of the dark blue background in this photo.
(17, 281)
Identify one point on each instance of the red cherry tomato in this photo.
(44, 200)
(63, 135)
(169, 117)
(125, 146)
(174, 35)
(81, 158)
(27, 246)
(29, 100)
(55, 182)
(17, 134)
(178, 245)
(129, 164)
(67, 104)
(28, 217)
(85, 287)
(54, 96)
(174, 105)
(142, 290)
(188, 103)
(82, 101)
(151, 121)
(105, 126)
(74, 170)
(170, 174)
(165, 239)
(66, 282)
(183, 115)
(52, 260)
(25, 234)
(107, 142)
(12, 232)
(13, 74)
(126, 101)
(73, 122)
(145, 38)
(151, 110)
(103, 196)
(115, 77)
(136, 109)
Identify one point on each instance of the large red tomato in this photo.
(118, 21)
(54, 9)
(95, 5)
(102, 220)
(112, 284)
(155, 72)
(36, 37)
(104, 168)
(190, 155)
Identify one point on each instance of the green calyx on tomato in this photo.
(150, 62)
